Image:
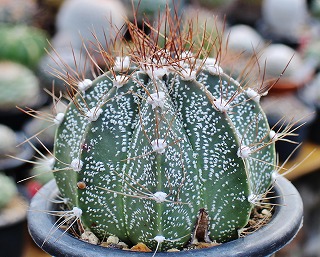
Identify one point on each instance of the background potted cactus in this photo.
(165, 149)
(19, 86)
(13, 209)
(11, 155)
(22, 43)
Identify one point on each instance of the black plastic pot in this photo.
(12, 227)
(12, 239)
(285, 224)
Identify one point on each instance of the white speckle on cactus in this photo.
(254, 95)
(156, 99)
(254, 198)
(273, 135)
(159, 197)
(188, 75)
(244, 152)
(84, 85)
(159, 145)
(77, 212)
(93, 114)
(121, 63)
(59, 118)
(221, 105)
(120, 80)
(76, 164)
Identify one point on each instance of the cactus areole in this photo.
(162, 137)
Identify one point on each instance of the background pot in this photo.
(283, 227)
(12, 227)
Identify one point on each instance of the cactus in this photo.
(164, 148)
(214, 3)
(150, 10)
(8, 190)
(23, 44)
(43, 167)
(81, 17)
(8, 141)
(18, 86)
(285, 20)
(17, 11)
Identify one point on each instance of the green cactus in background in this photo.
(18, 86)
(23, 44)
(8, 190)
(150, 9)
(9, 141)
(164, 148)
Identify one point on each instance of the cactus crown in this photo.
(164, 148)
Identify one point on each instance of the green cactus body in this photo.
(150, 9)
(9, 141)
(23, 44)
(153, 150)
(8, 190)
(18, 86)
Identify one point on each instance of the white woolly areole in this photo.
(254, 95)
(159, 145)
(59, 118)
(51, 161)
(76, 164)
(121, 63)
(77, 212)
(155, 72)
(244, 152)
(275, 174)
(84, 85)
(65, 200)
(212, 66)
(188, 74)
(273, 135)
(159, 196)
(214, 69)
(221, 105)
(159, 239)
(120, 80)
(157, 99)
(93, 114)
(254, 199)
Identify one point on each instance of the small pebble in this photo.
(89, 237)
(112, 240)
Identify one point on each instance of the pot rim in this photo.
(283, 227)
